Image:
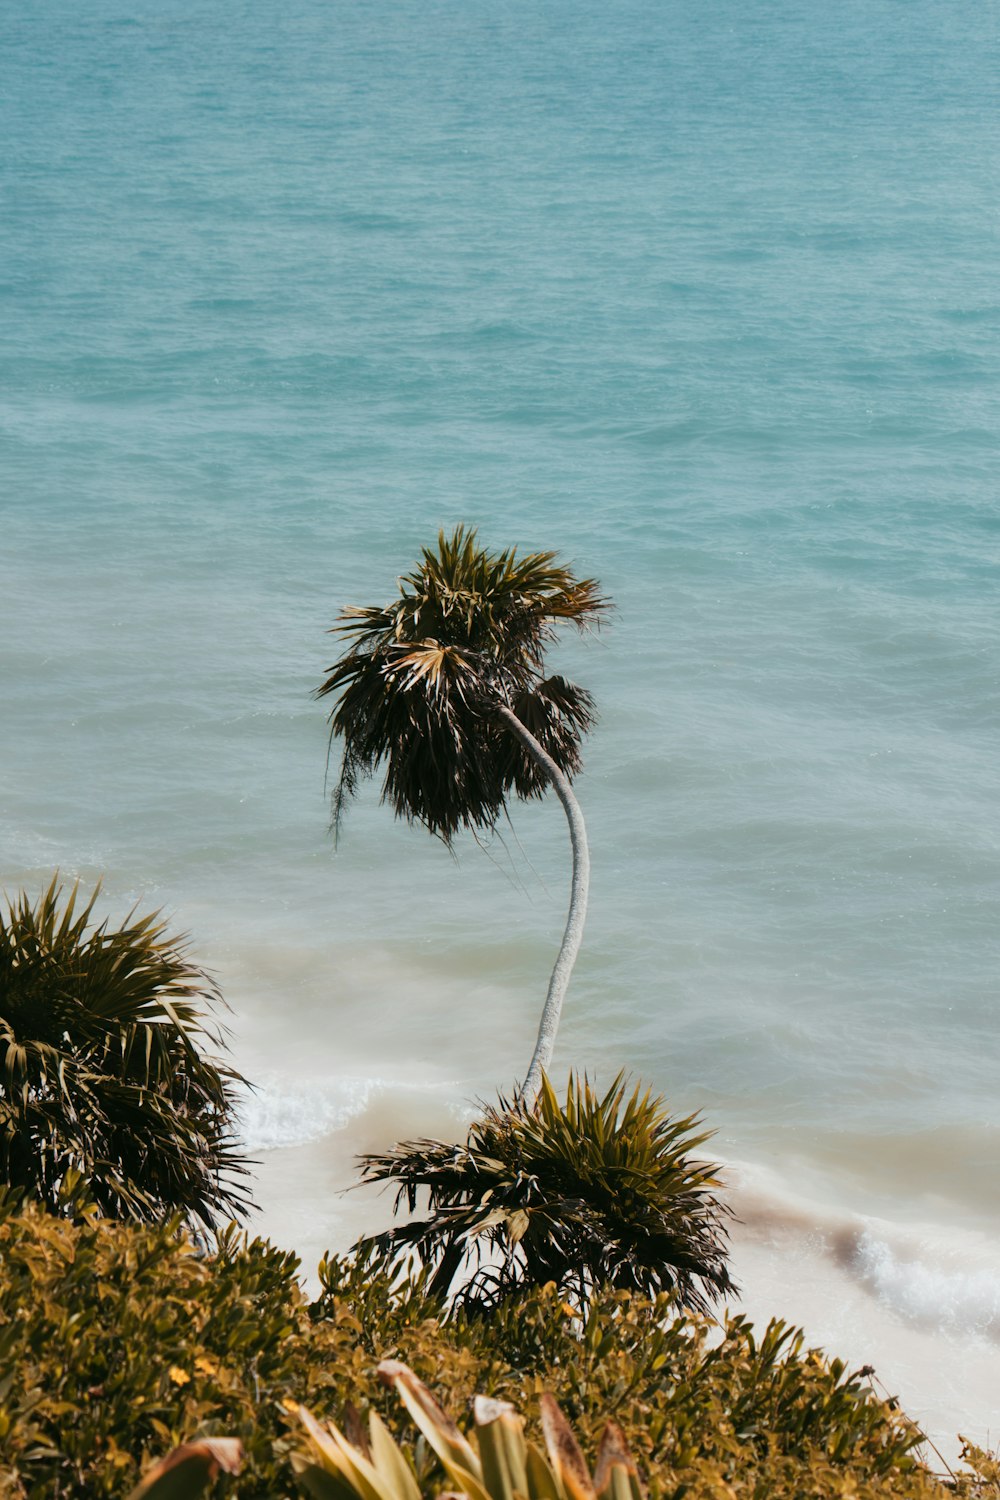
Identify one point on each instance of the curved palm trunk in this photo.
(573, 935)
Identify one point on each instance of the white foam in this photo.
(934, 1279)
(928, 1291)
(279, 1112)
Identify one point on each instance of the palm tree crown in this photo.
(423, 679)
(102, 1072)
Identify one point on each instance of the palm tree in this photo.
(103, 1080)
(445, 688)
(602, 1190)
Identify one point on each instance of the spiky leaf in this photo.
(595, 1189)
(107, 1086)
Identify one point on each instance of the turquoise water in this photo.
(705, 298)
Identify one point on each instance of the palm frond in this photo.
(417, 687)
(558, 714)
(597, 1189)
(103, 1064)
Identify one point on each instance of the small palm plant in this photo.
(445, 688)
(102, 1073)
(601, 1190)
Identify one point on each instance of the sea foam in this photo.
(937, 1291)
(276, 1113)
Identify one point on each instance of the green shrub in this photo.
(119, 1341)
(122, 1341)
(982, 1482)
(742, 1415)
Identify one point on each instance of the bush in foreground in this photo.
(120, 1341)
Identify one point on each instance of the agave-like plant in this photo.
(445, 687)
(603, 1189)
(496, 1461)
(104, 1082)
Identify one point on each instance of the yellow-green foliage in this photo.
(746, 1415)
(983, 1482)
(118, 1341)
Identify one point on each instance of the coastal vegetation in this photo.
(559, 1270)
(105, 1076)
(445, 689)
(496, 1462)
(143, 1356)
(601, 1190)
(121, 1341)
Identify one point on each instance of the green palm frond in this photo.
(103, 1067)
(418, 685)
(558, 714)
(601, 1189)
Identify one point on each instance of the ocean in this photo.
(705, 299)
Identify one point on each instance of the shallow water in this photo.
(706, 300)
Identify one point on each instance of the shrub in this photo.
(125, 1340)
(122, 1340)
(102, 1071)
(706, 1416)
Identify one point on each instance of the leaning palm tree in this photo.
(105, 1081)
(445, 688)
